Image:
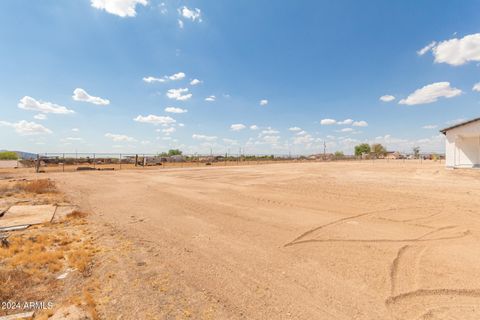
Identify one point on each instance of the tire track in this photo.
(414, 240)
(309, 232)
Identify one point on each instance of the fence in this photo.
(69, 162)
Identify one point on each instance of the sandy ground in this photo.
(286, 241)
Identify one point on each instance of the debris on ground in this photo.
(27, 215)
(46, 252)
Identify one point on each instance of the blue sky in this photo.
(95, 75)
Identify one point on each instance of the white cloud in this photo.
(476, 87)
(153, 119)
(327, 122)
(175, 110)
(269, 131)
(72, 139)
(119, 137)
(387, 98)
(303, 139)
(360, 124)
(40, 116)
(177, 76)
(346, 130)
(237, 127)
(191, 14)
(455, 121)
(29, 103)
(180, 24)
(181, 125)
(25, 128)
(271, 139)
(431, 93)
(153, 79)
(81, 95)
(458, 51)
(429, 126)
(168, 131)
(204, 137)
(253, 127)
(211, 98)
(229, 141)
(301, 133)
(173, 77)
(345, 122)
(194, 82)
(121, 8)
(293, 129)
(427, 48)
(179, 94)
(163, 8)
(76, 130)
(263, 102)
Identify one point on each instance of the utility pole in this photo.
(324, 150)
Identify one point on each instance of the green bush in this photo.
(8, 155)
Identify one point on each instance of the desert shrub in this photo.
(39, 186)
(8, 155)
(77, 214)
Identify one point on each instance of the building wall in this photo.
(450, 150)
(462, 146)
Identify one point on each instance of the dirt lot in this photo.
(285, 241)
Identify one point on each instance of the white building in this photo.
(462, 144)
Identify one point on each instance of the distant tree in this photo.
(171, 152)
(362, 148)
(378, 150)
(416, 152)
(8, 155)
(174, 152)
(339, 155)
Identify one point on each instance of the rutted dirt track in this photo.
(287, 241)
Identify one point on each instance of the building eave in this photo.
(444, 130)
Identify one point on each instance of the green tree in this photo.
(339, 154)
(171, 152)
(362, 149)
(378, 149)
(174, 152)
(8, 155)
(416, 152)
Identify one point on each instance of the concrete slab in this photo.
(27, 215)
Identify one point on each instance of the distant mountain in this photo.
(23, 155)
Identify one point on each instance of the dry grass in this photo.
(40, 186)
(90, 304)
(36, 256)
(17, 285)
(77, 215)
